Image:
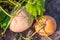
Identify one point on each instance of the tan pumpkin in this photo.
(21, 22)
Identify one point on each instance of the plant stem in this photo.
(36, 31)
(15, 14)
(49, 38)
(17, 9)
(32, 2)
(16, 4)
(5, 12)
(20, 36)
(33, 34)
(14, 9)
(13, 2)
(29, 38)
(19, 0)
(22, 1)
(4, 1)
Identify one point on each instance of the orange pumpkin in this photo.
(48, 28)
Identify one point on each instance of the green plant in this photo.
(14, 12)
(34, 7)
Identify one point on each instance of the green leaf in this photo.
(31, 10)
(37, 8)
(3, 25)
(5, 22)
(2, 15)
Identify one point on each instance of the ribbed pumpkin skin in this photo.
(49, 28)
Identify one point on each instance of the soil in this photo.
(52, 9)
